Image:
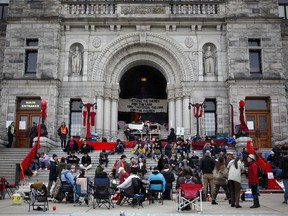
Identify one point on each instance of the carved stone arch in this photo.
(161, 47)
(116, 68)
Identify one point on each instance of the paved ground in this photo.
(271, 204)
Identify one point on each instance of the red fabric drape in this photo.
(25, 164)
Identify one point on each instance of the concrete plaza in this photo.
(271, 204)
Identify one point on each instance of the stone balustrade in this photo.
(189, 7)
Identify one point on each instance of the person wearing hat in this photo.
(53, 172)
(253, 179)
(236, 168)
(123, 175)
(229, 157)
(120, 163)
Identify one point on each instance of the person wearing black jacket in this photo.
(207, 165)
(86, 163)
(33, 133)
(170, 178)
(284, 176)
(53, 172)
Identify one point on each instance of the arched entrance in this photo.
(141, 49)
(143, 82)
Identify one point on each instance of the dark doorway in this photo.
(143, 82)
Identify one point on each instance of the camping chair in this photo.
(157, 194)
(67, 189)
(81, 191)
(189, 195)
(38, 197)
(6, 188)
(102, 193)
(133, 195)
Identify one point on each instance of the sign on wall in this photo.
(147, 105)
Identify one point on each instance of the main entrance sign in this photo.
(147, 105)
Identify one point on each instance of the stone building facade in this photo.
(206, 50)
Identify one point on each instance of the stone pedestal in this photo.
(241, 143)
(46, 144)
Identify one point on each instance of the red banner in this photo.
(25, 164)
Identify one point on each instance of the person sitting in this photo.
(158, 145)
(99, 169)
(126, 185)
(156, 176)
(123, 175)
(68, 182)
(71, 145)
(120, 147)
(85, 162)
(35, 165)
(44, 161)
(169, 177)
(103, 157)
(72, 158)
(85, 148)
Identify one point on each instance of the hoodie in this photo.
(66, 176)
(156, 176)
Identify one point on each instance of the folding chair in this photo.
(81, 191)
(134, 195)
(157, 194)
(189, 194)
(38, 197)
(102, 193)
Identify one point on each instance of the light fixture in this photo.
(143, 79)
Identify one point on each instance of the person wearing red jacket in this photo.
(253, 180)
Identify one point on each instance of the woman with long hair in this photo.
(220, 174)
(236, 168)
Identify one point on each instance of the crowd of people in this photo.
(176, 161)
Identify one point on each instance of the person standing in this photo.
(220, 174)
(11, 134)
(62, 132)
(53, 172)
(253, 180)
(284, 176)
(207, 165)
(33, 133)
(236, 168)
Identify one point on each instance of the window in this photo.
(31, 55)
(255, 57)
(283, 11)
(75, 117)
(3, 11)
(210, 117)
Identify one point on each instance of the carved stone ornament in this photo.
(189, 42)
(141, 9)
(96, 42)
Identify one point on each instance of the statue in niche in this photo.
(76, 61)
(209, 59)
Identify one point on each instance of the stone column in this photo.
(99, 115)
(107, 117)
(114, 118)
(186, 116)
(107, 111)
(172, 122)
(179, 111)
(114, 111)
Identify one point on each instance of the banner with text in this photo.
(147, 105)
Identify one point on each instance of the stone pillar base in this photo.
(241, 143)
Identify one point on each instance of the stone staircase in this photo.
(8, 159)
(43, 175)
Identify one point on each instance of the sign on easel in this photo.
(180, 131)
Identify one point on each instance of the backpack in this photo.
(260, 172)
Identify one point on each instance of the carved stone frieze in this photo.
(142, 9)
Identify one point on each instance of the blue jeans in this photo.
(285, 182)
